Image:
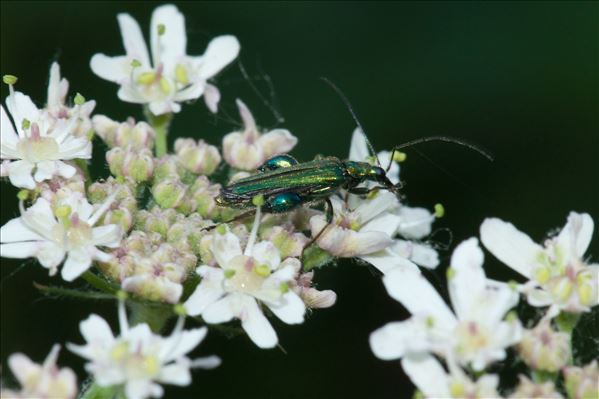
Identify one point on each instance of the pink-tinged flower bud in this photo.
(315, 299)
(187, 233)
(248, 149)
(138, 135)
(59, 188)
(582, 382)
(138, 164)
(527, 389)
(288, 243)
(105, 128)
(197, 157)
(120, 216)
(204, 193)
(167, 166)
(156, 220)
(542, 348)
(124, 207)
(153, 287)
(115, 158)
(169, 192)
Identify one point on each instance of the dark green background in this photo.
(520, 79)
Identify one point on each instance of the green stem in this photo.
(160, 123)
(152, 313)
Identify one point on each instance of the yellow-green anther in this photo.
(430, 322)
(258, 200)
(221, 229)
(399, 156)
(146, 78)
(562, 290)
(161, 29)
(511, 316)
(456, 389)
(135, 63)
(25, 124)
(284, 287)
(450, 273)
(9, 79)
(229, 273)
(79, 99)
(513, 284)
(418, 395)
(542, 274)
(262, 270)
(179, 309)
(63, 211)
(439, 211)
(23, 195)
(122, 295)
(582, 278)
(354, 225)
(90, 134)
(372, 194)
(181, 74)
(120, 179)
(165, 85)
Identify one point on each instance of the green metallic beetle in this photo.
(286, 184)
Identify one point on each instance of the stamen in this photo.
(254, 233)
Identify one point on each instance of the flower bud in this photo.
(124, 208)
(527, 389)
(157, 288)
(167, 166)
(169, 192)
(187, 233)
(115, 158)
(287, 242)
(542, 348)
(126, 134)
(138, 165)
(204, 192)
(105, 128)
(582, 382)
(199, 158)
(156, 220)
(315, 299)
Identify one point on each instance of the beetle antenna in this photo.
(446, 140)
(353, 115)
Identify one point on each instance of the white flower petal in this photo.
(428, 375)
(220, 52)
(44, 170)
(95, 330)
(207, 292)
(169, 47)
(358, 150)
(509, 245)
(208, 362)
(15, 231)
(113, 69)
(576, 235)
(108, 236)
(19, 173)
(55, 97)
(175, 374)
(292, 309)
(21, 107)
(223, 310)
(539, 298)
(185, 343)
(75, 148)
(211, 97)
(415, 293)
(225, 247)
(257, 326)
(128, 93)
(65, 170)
(195, 90)
(133, 40)
(383, 202)
(142, 388)
(20, 250)
(416, 223)
(467, 282)
(277, 141)
(8, 136)
(386, 223)
(386, 260)
(265, 252)
(78, 261)
(50, 255)
(23, 368)
(396, 339)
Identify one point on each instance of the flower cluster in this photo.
(170, 235)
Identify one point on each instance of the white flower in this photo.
(433, 381)
(41, 381)
(248, 149)
(67, 231)
(57, 109)
(36, 146)
(242, 282)
(558, 275)
(411, 223)
(475, 334)
(365, 232)
(172, 76)
(138, 358)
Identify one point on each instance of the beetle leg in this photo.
(243, 215)
(329, 219)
